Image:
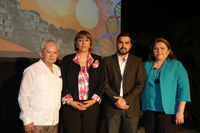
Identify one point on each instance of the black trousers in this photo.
(75, 121)
(159, 122)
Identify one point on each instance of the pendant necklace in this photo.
(157, 81)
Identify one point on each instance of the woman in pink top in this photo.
(83, 76)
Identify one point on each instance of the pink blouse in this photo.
(83, 83)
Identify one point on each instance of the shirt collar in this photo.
(43, 65)
(120, 59)
(89, 57)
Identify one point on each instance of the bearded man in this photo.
(124, 84)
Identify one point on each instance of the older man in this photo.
(40, 92)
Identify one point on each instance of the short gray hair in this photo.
(42, 46)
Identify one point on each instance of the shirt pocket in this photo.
(43, 83)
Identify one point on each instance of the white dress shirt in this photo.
(40, 94)
(122, 65)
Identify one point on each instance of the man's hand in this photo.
(29, 127)
(121, 103)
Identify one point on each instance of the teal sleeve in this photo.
(183, 84)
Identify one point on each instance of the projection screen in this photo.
(24, 24)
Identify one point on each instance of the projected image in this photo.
(25, 24)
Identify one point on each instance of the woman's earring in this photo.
(76, 46)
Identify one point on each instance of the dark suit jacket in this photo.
(133, 84)
(70, 71)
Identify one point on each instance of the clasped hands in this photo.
(121, 103)
(82, 105)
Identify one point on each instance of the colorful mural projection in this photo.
(107, 40)
(24, 24)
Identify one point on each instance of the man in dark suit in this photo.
(124, 84)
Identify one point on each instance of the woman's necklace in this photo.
(81, 59)
(157, 81)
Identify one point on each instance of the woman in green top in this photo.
(166, 89)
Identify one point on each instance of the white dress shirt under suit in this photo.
(40, 94)
(122, 65)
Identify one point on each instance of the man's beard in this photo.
(122, 53)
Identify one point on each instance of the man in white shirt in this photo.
(124, 84)
(40, 91)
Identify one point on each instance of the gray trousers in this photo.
(46, 129)
(129, 125)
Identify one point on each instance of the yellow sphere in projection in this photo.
(87, 13)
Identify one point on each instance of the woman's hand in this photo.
(179, 114)
(77, 105)
(179, 118)
(89, 103)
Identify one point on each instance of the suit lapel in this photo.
(163, 70)
(148, 68)
(115, 63)
(129, 63)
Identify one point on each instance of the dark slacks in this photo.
(159, 122)
(75, 121)
(129, 125)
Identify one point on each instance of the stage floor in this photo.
(182, 130)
